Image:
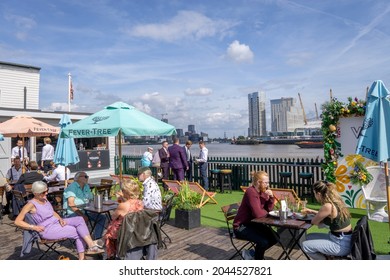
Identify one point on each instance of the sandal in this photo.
(94, 250)
(98, 244)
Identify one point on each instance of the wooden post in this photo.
(387, 186)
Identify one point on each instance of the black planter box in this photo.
(187, 219)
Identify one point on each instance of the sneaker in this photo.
(246, 254)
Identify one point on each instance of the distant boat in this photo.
(310, 144)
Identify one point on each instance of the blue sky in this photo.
(196, 61)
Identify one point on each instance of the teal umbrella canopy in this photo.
(66, 152)
(374, 139)
(119, 117)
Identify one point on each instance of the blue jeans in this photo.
(319, 244)
(204, 175)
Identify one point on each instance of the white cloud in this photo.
(239, 52)
(63, 107)
(198, 91)
(186, 24)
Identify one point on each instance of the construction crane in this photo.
(303, 109)
(315, 105)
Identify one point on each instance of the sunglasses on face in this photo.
(45, 192)
(85, 176)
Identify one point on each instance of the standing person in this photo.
(164, 160)
(19, 151)
(258, 200)
(152, 194)
(202, 162)
(178, 160)
(78, 193)
(333, 213)
(187, 150)
(50, 225)
(147, 157)
(47, 155)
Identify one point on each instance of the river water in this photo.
(229, 150)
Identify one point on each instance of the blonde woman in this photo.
(334, 214)
(50, 225)
(258, 200)
(130, 195)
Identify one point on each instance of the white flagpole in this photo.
(69, 89)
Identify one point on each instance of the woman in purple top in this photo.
(51, 226)
(258, 200)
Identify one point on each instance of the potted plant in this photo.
(187, 211)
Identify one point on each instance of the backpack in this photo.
(156, 160)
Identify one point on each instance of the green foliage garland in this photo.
(331, 113)
(359, 175)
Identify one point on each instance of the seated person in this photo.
(13, 175)
(79, 193)
(58, 173)
(334, 214)
(51, 226)
(130, 195)
(152, 194)
(258, 200)
(30, 176)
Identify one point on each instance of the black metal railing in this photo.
(242, 167)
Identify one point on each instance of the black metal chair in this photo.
(31, 237)
(230, 212)
(164, 218)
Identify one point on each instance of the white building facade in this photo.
(285, 115)
(19, 95)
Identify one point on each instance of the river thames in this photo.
(229, 150)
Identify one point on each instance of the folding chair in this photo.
(290, 194)
(31, 237)
(230, 212)
(172, 185)
(164, 218)
(206, 196)
(117, 177)
(56, 199)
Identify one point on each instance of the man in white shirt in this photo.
(47, 155)
(202, 162)
(19, 151)
(58, 174)
(152, 194)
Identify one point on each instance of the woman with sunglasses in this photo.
(79, 193)
(333, 214)
(51, 226)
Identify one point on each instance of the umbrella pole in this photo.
(387, 187)
(120, 156)
(22, 159)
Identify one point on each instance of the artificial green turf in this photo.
(213, 216)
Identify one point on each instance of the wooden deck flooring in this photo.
(203, 243)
